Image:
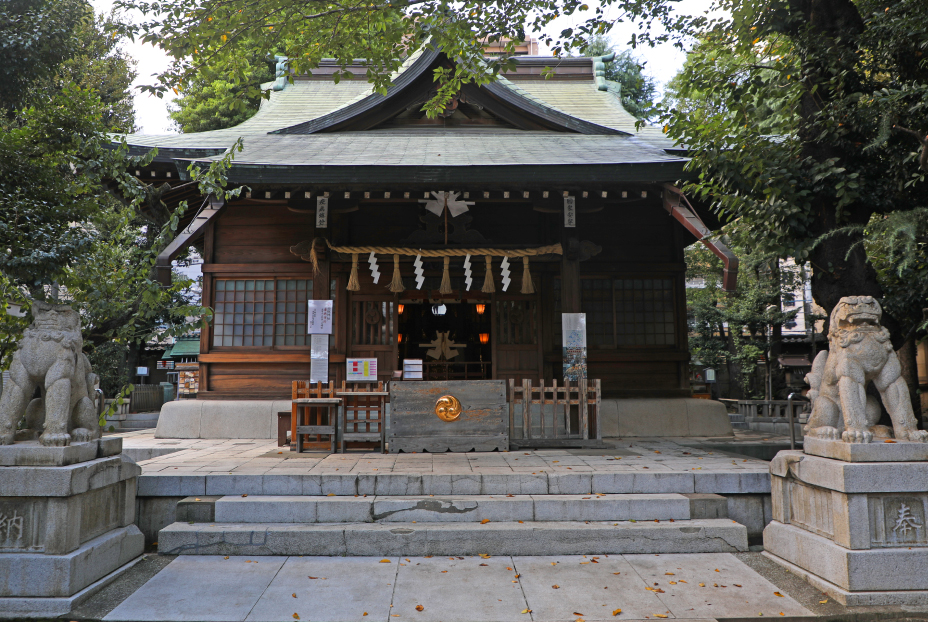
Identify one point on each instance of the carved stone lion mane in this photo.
(860, 352)
(49, 357)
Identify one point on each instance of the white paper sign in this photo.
(322, 212)
(319, 317)
(319, 370)
(570, 211)
(362, 370)
(319, 347)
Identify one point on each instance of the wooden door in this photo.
(372, 331)
(517, 337)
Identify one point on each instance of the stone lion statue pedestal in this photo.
(67, 497)
(850, 509)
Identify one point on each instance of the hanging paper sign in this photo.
(362, 370)
(504, 270)
(322, 212)
(420, 272)
(570, 211)
(372, 262)
(319, 358)
(319, 317)
(468, 278)
(573, 329)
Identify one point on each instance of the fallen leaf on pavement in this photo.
(616, 612)
(616, 573)
(736, 584)
(577, 614)
(555, 587)
(294, 594)
(384, 561)
(822, 602)
(485, 555)
(669, 573)
(673, 583)
(702, 585)
(245, 495)
(314, 577)
(660, 615)
(484, 564)
(420, 608)
(485, 521)
(778, 594)
(226, 557)
(296, 616)
(682, 581)
(526, 611)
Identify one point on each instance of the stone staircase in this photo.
(132, 422)
(468, 524)
(737, 421)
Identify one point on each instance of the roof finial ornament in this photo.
(599, 70)
(281, 72)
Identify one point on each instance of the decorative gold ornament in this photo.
(448, 408)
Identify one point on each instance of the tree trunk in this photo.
(908, 360)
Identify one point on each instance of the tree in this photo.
(839, 74)
(735, 329)
(72, 217)
(209, 100)
(637, 88)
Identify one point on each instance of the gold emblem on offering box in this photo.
(448, 408)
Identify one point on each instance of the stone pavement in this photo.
(704, 586)
(263, 457)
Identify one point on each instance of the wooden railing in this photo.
(553, 415)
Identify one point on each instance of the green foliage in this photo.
(37, 36)
(200, 34)
(736, 327)
(213, 100)
(118, 400)
(637, 89)
(109, 361)
(11, 327)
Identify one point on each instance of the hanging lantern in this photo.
(484, 338)
(399, 337)
(480, 308)
(399, 308)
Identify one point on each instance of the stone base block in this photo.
(873, 570)
(220, 418)
(878, 451)
(503, 538)
(38, 575)
(33, 453)
(664, 417)
(911, 598)
(26, 608)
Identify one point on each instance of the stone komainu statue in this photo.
(859, 353)
(49, 357)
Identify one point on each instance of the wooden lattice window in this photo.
(644, 312)
(624, 312)
(261, 312)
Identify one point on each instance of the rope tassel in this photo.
(396, 285)
(488, 286)
(353, 284)
(445, 287)
(527, 286)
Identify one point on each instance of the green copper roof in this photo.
(185, 347)
(297, 132)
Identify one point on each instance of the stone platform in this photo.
(854, 527)
(67, 520)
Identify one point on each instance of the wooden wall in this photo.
(251, 239)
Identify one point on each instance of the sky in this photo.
(151, 113)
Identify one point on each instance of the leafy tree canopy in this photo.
(212, 100)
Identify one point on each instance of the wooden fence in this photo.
(555, 416)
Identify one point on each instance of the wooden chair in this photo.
(309, 404)
(363, 413)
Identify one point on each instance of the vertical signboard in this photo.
(319, 326)
(570, 211)
(319, 317)
(322, 212)
(573, 329)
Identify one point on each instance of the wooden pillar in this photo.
(570, 274)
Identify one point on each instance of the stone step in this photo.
(740, 425)
(170, 483)
(471, 508)
(720, 535)
(735, 417)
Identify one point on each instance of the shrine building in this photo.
(527, 198)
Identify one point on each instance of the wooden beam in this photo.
(186, 236)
